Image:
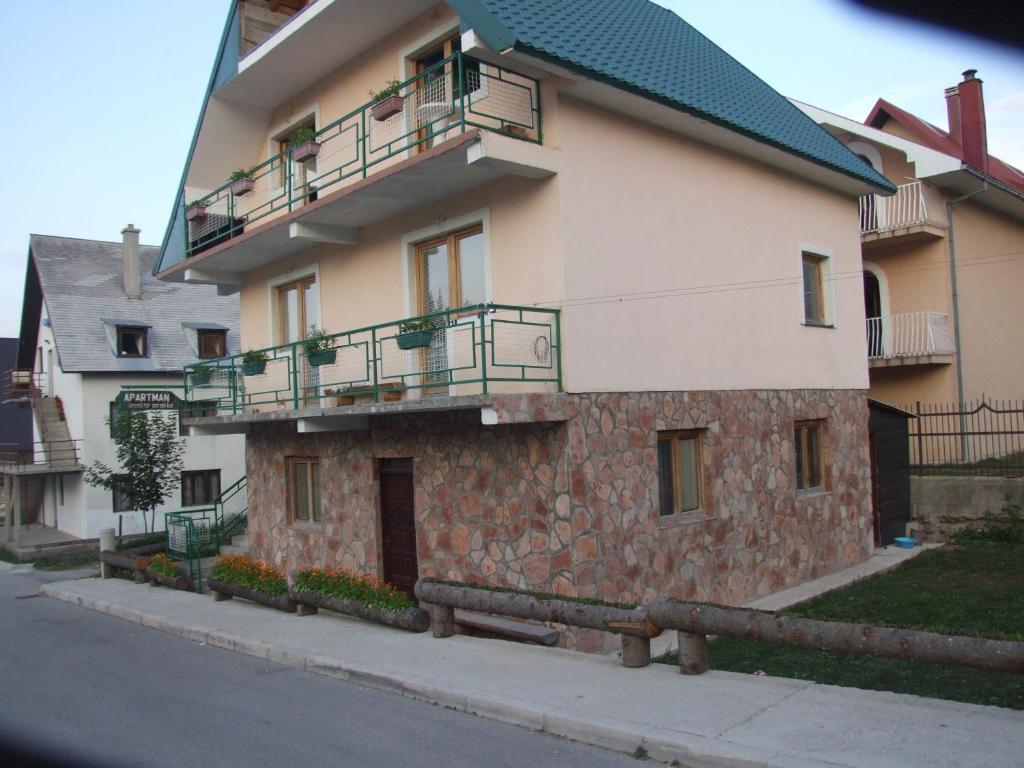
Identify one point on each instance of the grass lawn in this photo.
(66, 562)
(974, 589)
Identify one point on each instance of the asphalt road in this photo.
(82, 688)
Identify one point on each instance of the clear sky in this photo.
(107, 95)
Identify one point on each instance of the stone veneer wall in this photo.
(572, 507)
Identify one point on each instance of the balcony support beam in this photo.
(213, 277)
(323, 233)
(353, 423)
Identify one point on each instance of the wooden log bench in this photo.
(496, 626)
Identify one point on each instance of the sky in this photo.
(108, 94)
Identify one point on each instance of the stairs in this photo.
(239, 545)
(58, 446)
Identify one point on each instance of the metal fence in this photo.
(983, 437)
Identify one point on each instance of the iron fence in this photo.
(982, 437)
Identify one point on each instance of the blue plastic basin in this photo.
(905, 542)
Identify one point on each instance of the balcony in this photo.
(915, 213)
(362, 168)
(914, 338)
(48, 457)
(454, 359)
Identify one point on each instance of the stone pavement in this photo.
(716, 719)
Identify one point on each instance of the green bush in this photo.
(1007, 528)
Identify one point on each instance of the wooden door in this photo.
(297, 317)
(398, 524)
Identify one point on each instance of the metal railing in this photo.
(46, 454)
(909, 335)
(193, 534)
(980, 438)
(467, 350)
(18, 385)
(914, 203)
(444, 100)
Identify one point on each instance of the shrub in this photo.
(318, 341)
(241, 173)
(163, 565)
(254, 356)
(390, 89)
(301, 136)
(252, 574)
(343, 584)
(1007, 528)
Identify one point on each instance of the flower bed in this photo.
(241, 576)
(359, 596)
(163, 570)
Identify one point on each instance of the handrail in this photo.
(61, 453)
(910, 334)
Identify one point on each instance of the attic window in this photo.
(131, 341)
(212, 343)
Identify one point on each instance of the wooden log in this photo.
(219, 597)
(305, 610)
(838, 636)
(281, 602)
(412, 619)
(693, 653)
(174, 582)
(636, 651)
(442, 620)
(608, 618)
(137, 565)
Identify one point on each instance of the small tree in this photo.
(149, 452)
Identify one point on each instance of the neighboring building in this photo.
(634, 370)
(943, 258)
(93, 321)
(15, 423)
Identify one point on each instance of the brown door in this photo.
(398, 524)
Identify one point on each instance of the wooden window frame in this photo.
(209, 474)
(300, 286)
(818, 262)
(143, 335)
(802, 456)
(220, 340)
(314, 515)
(675, 436)
(450, 241)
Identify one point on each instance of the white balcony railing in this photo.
(913, 204)
(910, 335)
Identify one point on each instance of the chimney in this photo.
(973, 137)
(953, 113)
(130, 265)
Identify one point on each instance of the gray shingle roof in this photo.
(81, 281)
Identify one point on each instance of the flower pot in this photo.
(327, 357)
(226, 590)
(385, 108)
(240, 187)
(174, 582)
(307, 151)
(414, 339)
(412, 619)
(201, 379)
(195, 213)
(253, 369)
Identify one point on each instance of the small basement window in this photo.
(809, 462)
(212, 343)
(131, 342)
(680, 486)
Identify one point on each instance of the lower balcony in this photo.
(913, 338)
(455, 359)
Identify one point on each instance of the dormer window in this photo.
(131, 341)
(212, 343)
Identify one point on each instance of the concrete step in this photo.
(233, 549)
(241, 540)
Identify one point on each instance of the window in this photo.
(116, 413)
(680, 485)
(807, 439)
(131, 342)
(200, 487)
(212, 343)
(814, 292)
(120, 501)
(302, 173)
(304, 490)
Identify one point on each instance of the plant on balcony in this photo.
(303, 144)
(201, 374)
(254, 362)
(387, 101)
(319, 348)
(414, 334)
(242, 182)
(196, 210)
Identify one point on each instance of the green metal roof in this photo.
(646, 49)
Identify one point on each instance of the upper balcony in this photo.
(912, 338)
(457, 125)
(455, 359)
(915, 213)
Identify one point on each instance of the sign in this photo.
(147, 400)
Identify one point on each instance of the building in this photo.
(578, 266)
(93, 321)
(942, 257)
(15, 423)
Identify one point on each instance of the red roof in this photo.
(940, 140)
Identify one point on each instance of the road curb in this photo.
(618, 735)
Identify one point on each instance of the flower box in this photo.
(385, 108)
(174, 582)
(195, 213)
(253, 369)
(225, 590)
(305, 151)
(414, 339)
(201, 379)
(326, 357)
(411, 619)
(242, 187)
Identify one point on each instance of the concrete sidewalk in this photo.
(715, 719)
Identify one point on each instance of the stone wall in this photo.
(572, 506)
(944, 505)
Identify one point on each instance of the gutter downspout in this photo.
(956, 313)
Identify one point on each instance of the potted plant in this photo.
(387, 101)
(242, 182)
(196, 210)
(414, 334)
(319, 348)
(303, 144)
(201, 374)
(254, 362)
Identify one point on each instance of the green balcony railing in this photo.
(478, 349)
(447, 98)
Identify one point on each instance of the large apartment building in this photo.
(580, 274)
